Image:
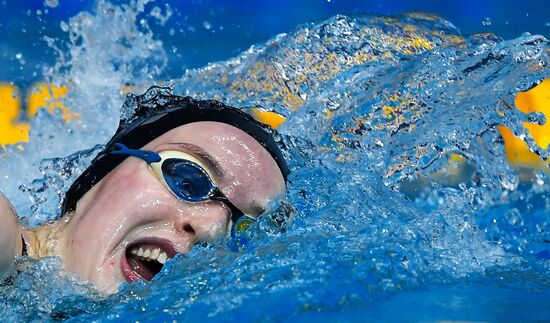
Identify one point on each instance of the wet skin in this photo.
(10, 241)
(131, 207)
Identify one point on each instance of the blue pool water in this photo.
(377, 105)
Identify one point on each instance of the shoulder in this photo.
(10, 236)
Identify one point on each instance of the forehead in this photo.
(213, 137)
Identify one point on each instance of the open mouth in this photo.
(145, 258)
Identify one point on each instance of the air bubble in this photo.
(514, 217)
(51, 3)
(20, 58)
(64, 26)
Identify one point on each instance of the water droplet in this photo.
(514, 217)
(207, 25)
(20, 58)
(156, 12)
(51, 3)
(486, 22)
(64, 26)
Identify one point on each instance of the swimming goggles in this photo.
(184, 176)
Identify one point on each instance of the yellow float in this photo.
(41, 96)
(11, 131)
(535, 100)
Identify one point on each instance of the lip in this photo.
(165, 244)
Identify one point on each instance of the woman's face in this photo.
(130, 209)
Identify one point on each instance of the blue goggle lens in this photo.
(187, 180)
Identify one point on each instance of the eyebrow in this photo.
(203, 155)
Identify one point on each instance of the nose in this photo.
(205, 221)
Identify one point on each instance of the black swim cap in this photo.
(156, 112)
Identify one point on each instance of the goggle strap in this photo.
(236, 213)
(148, 156)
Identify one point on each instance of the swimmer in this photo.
(181, 172)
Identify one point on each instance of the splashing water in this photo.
(94, 68)
(377, 106)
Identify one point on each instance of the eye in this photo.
(187, 180)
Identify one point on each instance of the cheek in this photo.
(115, 193)
(106, 211)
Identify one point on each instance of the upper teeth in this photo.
(150, 254)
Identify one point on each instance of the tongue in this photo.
(142, 268)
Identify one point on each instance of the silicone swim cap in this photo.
(156, 112)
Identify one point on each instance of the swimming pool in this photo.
(377, 106)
